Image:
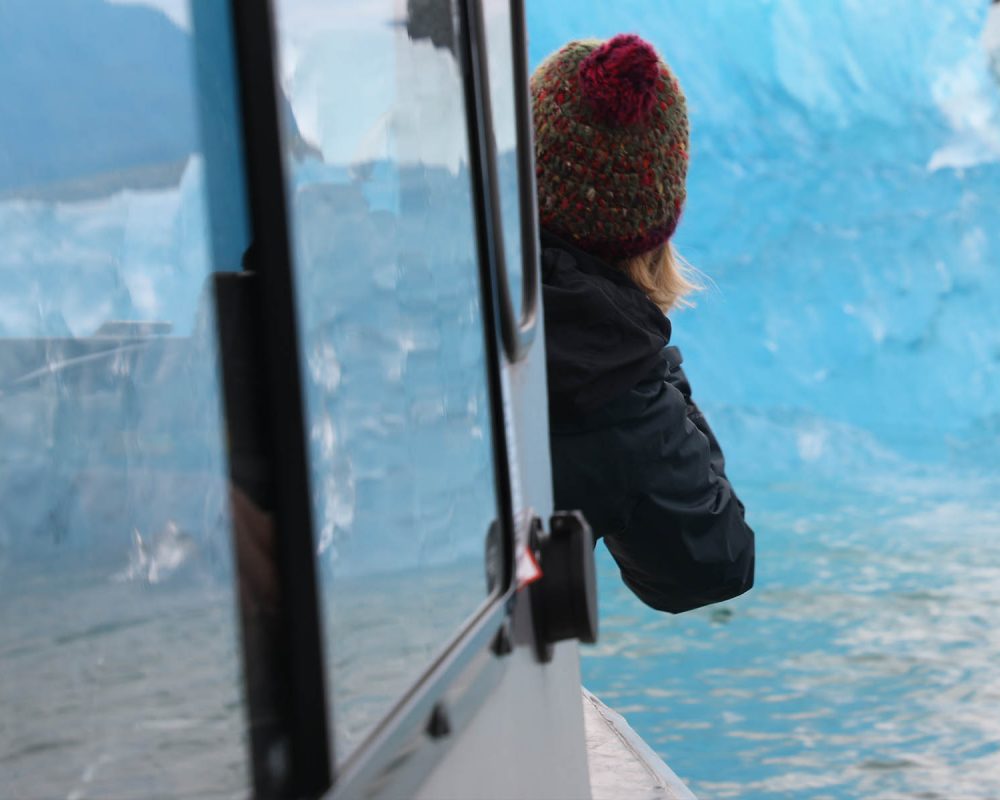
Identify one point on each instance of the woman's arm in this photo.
(685, 543)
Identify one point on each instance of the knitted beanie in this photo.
(611, 146)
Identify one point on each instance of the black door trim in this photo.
(516, 332)
(400, 752)
(308, 754)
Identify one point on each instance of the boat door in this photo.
(272, 408)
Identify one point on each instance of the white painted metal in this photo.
(527, 741)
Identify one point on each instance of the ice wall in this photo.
(104, 435)
(843, 194)
(844, 190)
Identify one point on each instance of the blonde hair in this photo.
(664, 276)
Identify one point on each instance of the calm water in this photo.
(866, 662)
(116, 689)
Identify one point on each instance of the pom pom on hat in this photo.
(618, 79)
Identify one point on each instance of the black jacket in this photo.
(629, 446)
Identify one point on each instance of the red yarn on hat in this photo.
(618, 80)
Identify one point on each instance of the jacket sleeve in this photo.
(685, 542)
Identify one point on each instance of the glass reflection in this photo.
(392, 338)
(118, 656)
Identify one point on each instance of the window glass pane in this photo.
(118, 651)
(500, 59)
(392, 338)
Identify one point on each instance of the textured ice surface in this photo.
(843, 197)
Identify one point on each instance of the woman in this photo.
(629, 446)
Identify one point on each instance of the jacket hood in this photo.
(603, 335)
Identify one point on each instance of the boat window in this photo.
(118, 642)
(503, 102)
(392, 338)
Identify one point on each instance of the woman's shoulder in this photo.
(603, 336)
(651, 402)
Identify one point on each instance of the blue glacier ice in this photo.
(843, 197)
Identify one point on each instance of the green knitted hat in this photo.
(611, 146)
